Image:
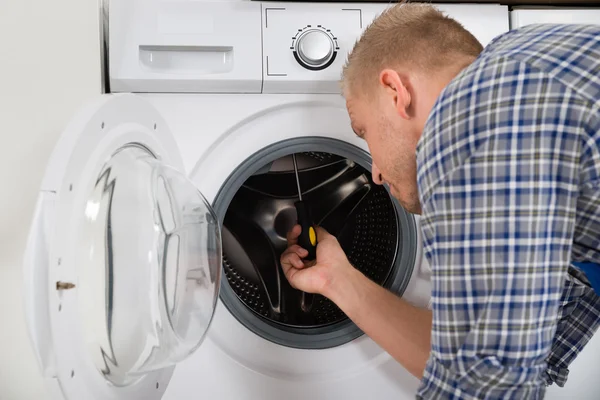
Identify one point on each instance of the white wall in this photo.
(49, 65)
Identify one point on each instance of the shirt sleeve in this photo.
(578, 320)
(498, 170)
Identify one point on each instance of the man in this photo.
(499, 150)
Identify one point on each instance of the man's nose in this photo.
(377, 178)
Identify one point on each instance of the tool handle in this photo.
(308, 237)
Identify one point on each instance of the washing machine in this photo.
(151, 269)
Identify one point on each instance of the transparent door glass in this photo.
(149, 254)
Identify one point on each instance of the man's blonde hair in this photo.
(411, 35)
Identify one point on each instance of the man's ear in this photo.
(396, 88)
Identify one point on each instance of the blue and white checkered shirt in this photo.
(509, 181)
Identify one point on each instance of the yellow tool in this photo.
(308, 237)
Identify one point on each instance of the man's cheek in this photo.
(369, 146)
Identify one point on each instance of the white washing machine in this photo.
(151, 266)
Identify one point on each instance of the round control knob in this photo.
(315, 48)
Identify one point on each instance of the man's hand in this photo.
(402, 329)
(316, 276)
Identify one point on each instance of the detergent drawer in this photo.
(184, 46)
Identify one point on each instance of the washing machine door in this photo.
(123, 261)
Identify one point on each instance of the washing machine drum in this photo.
(342, 199)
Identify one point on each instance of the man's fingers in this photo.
(295, 268)
(291, 259)
(297, 249)
(292, 236)
(322, 233)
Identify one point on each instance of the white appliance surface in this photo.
(244, 90)
(242, 46)
(521, 16)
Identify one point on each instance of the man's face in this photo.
(392, 142)
(392, 120)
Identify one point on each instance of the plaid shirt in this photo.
(509, 182)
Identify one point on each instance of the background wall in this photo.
(49, 65)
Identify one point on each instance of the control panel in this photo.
(314, 48)
(305, 45)
(251, 47)
(304, 48)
